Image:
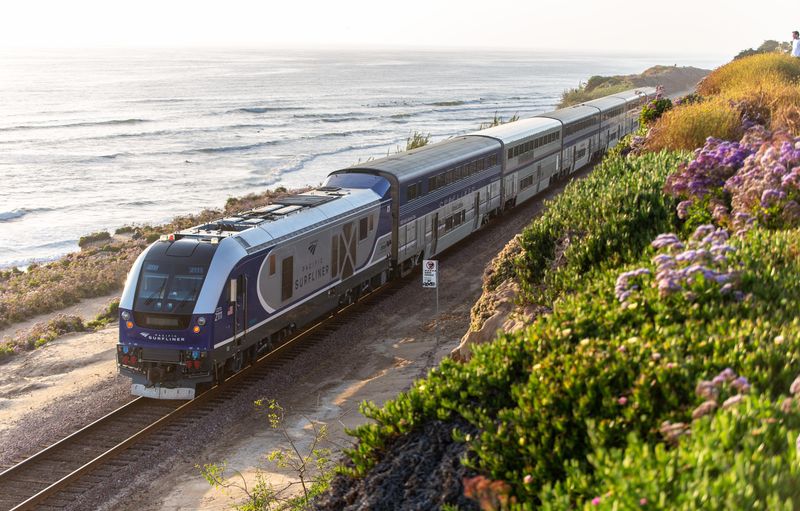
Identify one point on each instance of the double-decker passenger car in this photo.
(200, 303)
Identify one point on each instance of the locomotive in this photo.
(201, 303)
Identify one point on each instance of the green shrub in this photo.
(740, 458)
(603, 220)
(654, 110)
(626, 369)
(417, 139)
(85, 241)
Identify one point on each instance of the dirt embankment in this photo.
(674, 79)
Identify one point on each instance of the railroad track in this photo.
(57, 476)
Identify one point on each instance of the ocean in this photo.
(94, 140)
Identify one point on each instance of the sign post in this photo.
(430, 279)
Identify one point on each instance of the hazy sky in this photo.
(691, 27)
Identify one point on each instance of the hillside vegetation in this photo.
(667, 375)
(99, 268)
(674, 79)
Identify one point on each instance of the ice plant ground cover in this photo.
(561, 405)
(667, 374)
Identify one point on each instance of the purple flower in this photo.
(771, 197)
(795, 387)
(683, 208)
(732, 401)
(706, 389)
(666, 240)
(704, 409)
(741, 384)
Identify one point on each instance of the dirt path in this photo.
(86, 309)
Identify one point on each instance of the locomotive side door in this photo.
(435, 231)
(240, 310)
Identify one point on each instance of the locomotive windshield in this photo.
(169, 288)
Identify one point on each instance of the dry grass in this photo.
(774, 103)
(762, 88)
(751, 73)
(687, 127)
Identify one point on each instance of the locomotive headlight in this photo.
(126, 315)
(201, 321)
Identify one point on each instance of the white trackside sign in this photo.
(430, 273)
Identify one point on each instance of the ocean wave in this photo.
(302, 162)
(16, 214)
(159, 100)
(113, 156)
(389, 104)
(341, 119)
(327, 115)
(112, 122)
(337, 134)
(231, 148)
(264, 109)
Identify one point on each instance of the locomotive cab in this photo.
(164, 344)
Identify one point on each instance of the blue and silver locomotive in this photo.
(200, 303)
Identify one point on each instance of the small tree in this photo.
(310, 468)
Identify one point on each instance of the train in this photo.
(201, 303)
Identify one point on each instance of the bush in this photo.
(743, 457)
(85, 241)
(654, 110)
(416, 140)
(603, 220)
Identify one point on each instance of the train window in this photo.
(473, 167)
(432, 183)
(371, 224)
(526, 183)
(481, 164)
(510, 153)
(271, 265)
(287, 275)
(362, 229)
(411, 192)
(493, 160)
(335, 255)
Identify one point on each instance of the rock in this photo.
(419, 471)
(507, 317)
